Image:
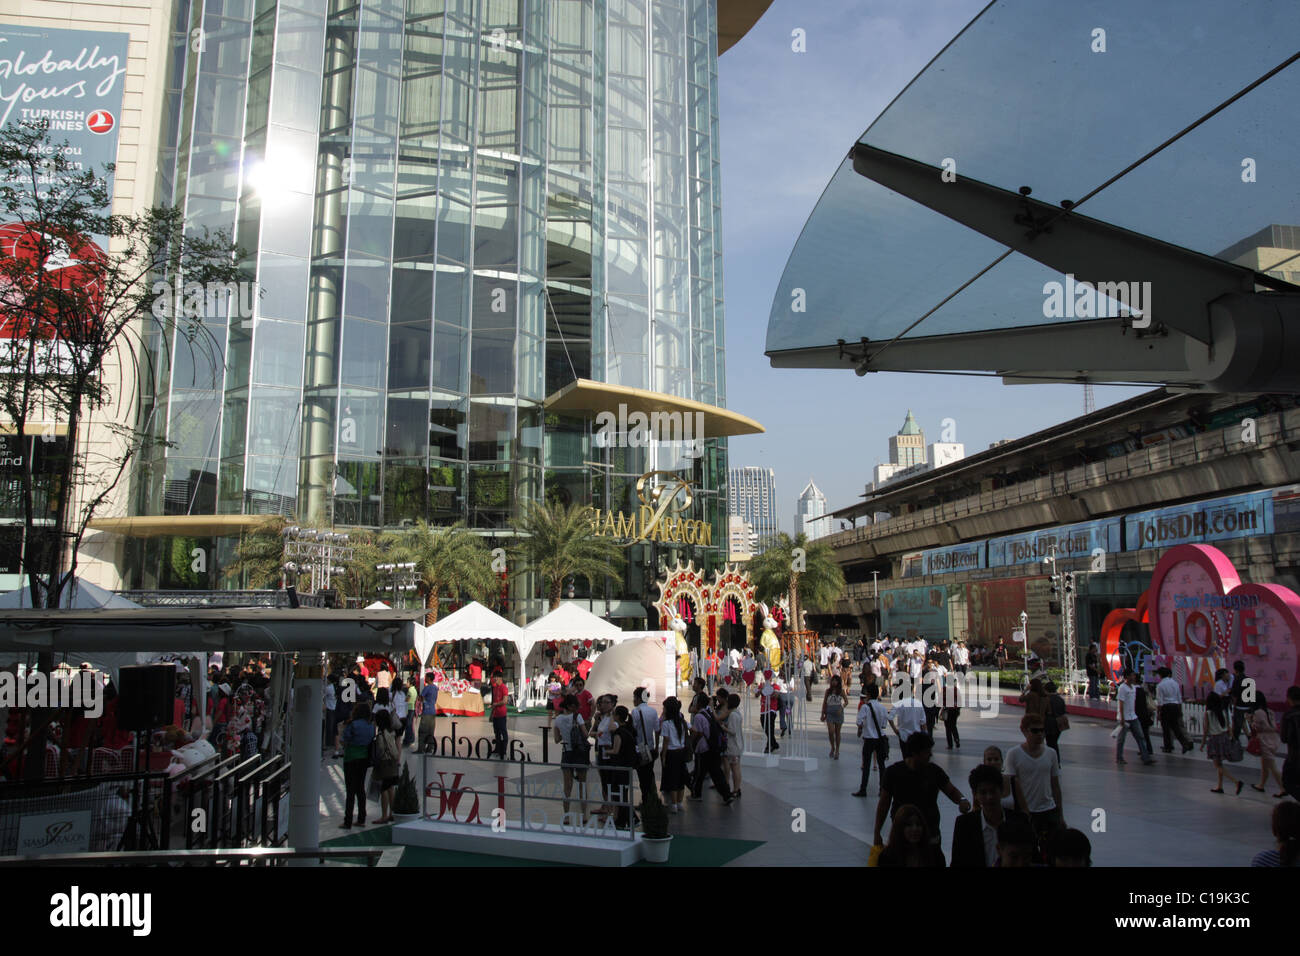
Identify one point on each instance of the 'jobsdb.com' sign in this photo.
(1071, 541)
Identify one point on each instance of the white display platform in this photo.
(764, 761)
(799, 764)
(550, 843)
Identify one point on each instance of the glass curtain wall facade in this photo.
(451, 209)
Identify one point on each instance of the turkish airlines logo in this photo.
(100, 121)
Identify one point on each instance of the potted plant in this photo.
(654, 828)
(406, 801)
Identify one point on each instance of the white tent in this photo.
(568, 622)
(473, 622)
(78, 595)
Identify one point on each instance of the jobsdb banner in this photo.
(1069, 541)
(1217, 519)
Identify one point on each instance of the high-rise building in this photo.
(740, 539)
(907, 448)
(810, 512)
(752, 496)
(466, 220)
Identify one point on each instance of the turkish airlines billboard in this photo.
(74, 80)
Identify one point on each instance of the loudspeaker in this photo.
(145, 696)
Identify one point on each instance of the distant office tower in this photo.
(752, 496)
(810, 513)
(907, 448)
(740, 539)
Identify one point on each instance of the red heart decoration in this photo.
(1188, 585)
(727, 678)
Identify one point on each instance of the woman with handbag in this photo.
(1264, 742)
(1219, 745)
(387, 763)
(570, 733)
(356, 737)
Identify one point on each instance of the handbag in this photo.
(1253, 746)
(1235, 752)
(873, 858)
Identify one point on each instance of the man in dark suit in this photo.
(975, 835)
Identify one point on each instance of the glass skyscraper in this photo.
(752, 496)
(452, 209)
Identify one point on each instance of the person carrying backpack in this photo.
(710, 742)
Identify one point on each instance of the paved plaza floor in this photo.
(1134, 815)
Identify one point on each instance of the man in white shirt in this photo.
(1169, 698)
(823, 657)
(645, 722)
(1128, 720)
(808, 676)
(1036, 777)
(908, 717)
(960, 657)
(872, 721)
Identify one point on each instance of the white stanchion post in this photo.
(304, 774)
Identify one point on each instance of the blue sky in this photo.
(788, 119)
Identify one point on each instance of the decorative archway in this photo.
(708, 597)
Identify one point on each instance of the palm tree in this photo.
(558, 543)
(803, 569)
(259, 556)
(449, 559)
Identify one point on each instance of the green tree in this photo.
(558, 543)
(449, 560)
(76, 323)
(801, 569)
(259, 557)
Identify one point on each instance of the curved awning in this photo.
(192, 526)
(1067, 193)
(736, 18)
(586, 397)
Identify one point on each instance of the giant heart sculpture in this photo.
(1204, 616)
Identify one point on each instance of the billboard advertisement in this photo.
(73, 80)
(1217, 519)
(1071, 541)
(957, 557)
(993, 609)
(915, 612)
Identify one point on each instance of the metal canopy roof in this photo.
(249, 630)
(584, 396)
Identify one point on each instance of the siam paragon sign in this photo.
(660, 516)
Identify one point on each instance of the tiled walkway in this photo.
(1164, 815)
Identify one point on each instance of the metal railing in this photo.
(127, 811)
(602, 803)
